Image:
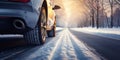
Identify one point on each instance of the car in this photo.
(51, 24)
(26, 17)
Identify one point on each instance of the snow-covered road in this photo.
(65, 46)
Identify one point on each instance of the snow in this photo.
(113, 33)
(65, 46)
(11, 36)
(59, 28)
(84, 49)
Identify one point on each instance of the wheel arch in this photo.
(46, 7)
(35, 15)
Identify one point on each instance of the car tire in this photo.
(37, 36)
(51, 33)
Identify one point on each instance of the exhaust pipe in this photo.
(18, 24)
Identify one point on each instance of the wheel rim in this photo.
(43, 25)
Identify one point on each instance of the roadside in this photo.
(113, 33)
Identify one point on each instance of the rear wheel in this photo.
(37, 36)
(51, 33)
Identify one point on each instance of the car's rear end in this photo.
(27, 17)
(14, 16)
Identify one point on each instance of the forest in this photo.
(101, 14)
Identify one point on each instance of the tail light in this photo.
(22, 1)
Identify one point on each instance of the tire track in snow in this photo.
(58, 54)
(40, 52)
(70, 48)
(71, 51)
(65, 49)
(82, 51)
(55, 48)
(47, 51)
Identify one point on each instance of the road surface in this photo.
(67, 45)
(106, 47)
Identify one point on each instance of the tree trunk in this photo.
(97, 18)
(92, 19)
(111, 22)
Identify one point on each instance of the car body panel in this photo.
(29, 12)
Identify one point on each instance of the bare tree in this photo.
(90, 5)
(111, 6)
(99, 12)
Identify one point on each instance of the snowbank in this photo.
(104, 32)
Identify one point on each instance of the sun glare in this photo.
(71, 13)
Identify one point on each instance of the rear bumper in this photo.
(7, 26)
(23, 11)
(30, 18)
